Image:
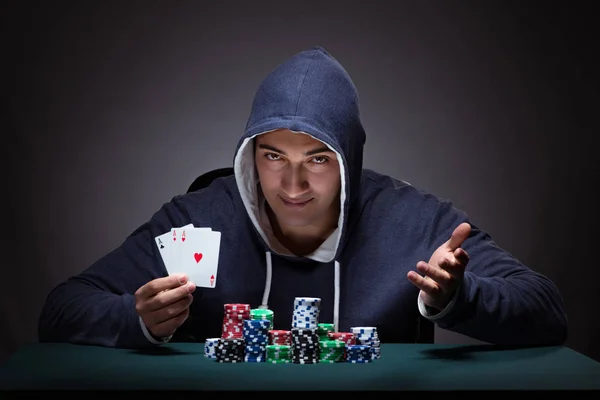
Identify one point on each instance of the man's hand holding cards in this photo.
(191, 251)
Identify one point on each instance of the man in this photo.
(302, 218)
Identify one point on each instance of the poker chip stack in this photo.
(280, 337)
(230, 350)
(331, 351)
(233, 317)
(305, 346)
(358, 353)
(256, 338)
(209, 348)
(278, 354)
(306, 312)
(323, 329)
(247, 335)
(368, 336)
(262, 314)
(348, 338)
(305, 337)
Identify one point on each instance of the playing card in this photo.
(197, 256)
(165, 241)
(179, 236)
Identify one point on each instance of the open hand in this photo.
(445, 270)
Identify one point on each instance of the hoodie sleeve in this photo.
(500, 300)
(97, 306)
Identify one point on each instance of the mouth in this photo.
(295, 203)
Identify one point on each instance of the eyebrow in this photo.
(308, 153)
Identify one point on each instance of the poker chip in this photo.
(323, 329)
(278, 354)
(233, 317)
(331, 351)
(305, 346)
(367, 335)
(248, 335)
(306, 312)
(256, 338)
(230, 350)
(280, 336)
(358, 353)
(262, 314)
(209, 348)
(347, 337)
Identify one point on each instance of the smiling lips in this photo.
(295, 203)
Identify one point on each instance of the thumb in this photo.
(460, 234)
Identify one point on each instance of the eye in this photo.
(320, 159)
(272, 156)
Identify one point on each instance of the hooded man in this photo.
(300, 217)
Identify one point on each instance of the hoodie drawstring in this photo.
(265, 299)
(336, 296)
(336, 290)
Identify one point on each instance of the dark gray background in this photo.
(113, 107)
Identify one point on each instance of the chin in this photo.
(294, 222)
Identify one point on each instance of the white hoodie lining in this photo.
(247, 181)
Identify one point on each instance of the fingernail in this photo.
(182, 278)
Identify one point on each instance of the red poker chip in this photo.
(237, 307)
(279, 332)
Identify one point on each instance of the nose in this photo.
(294, 181)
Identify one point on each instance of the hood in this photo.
(310, 93)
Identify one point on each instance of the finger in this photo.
(155, 286)
(168, 327)
(170, 311)
(454, 268)
(462, 257)
(460, 234)
(427, 285)
(439, 275)
(168, 297)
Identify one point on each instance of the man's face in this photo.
(299, 176)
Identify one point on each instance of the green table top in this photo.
(408, 367)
